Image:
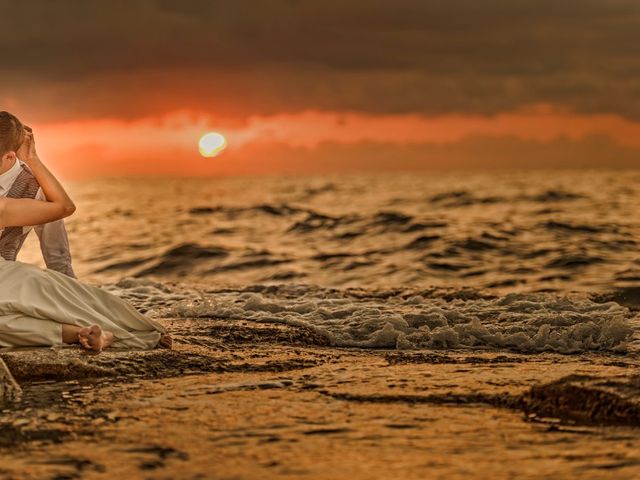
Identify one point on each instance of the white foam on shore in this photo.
(148, 295)
(520, 322)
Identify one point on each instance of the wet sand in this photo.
(271, 400)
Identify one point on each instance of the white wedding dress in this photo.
(34, 303)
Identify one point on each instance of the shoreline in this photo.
(247, 399)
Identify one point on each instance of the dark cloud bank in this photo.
(91, 58)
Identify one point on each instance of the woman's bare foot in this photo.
(94, 338)
(166, 341)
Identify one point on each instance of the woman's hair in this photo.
(11, 133)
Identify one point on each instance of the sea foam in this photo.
(371, 319)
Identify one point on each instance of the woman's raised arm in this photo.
(25, 212)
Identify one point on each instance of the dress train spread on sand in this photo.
(35, 303)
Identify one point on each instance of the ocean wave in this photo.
(515, 232)
(183, 257)
(402, 319)
(233, 212)
(568, 227)
(463, 198)
(555, 196)
(314, 221)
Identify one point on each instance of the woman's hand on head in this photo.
(27, 151)
(20, 212)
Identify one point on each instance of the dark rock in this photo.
(587, 400)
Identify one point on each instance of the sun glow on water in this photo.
(212, 144)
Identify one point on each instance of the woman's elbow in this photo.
(69, 209)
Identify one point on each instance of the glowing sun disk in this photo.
(212, 144)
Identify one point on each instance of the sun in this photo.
(212, 144)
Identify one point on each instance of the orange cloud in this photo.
(540, 123)
(169, 144)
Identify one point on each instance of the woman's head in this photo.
(11, 133)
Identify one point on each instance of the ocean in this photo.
(557, 231)
(525, 261)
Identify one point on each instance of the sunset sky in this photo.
(127, 87)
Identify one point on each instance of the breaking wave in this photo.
(405, 320)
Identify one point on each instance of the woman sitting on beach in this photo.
(43, 307)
